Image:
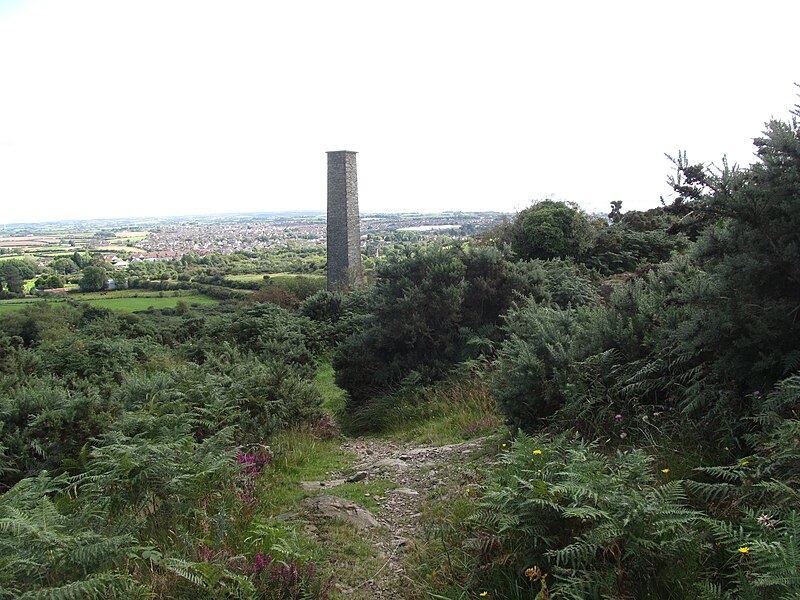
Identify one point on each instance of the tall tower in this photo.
(344, 233)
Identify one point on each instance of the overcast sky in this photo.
(167, 107)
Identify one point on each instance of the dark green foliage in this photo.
(323, 306)
(47, 553)
(695, 358)
(40, 321)
(264, 329)
(619, 249)
(416, 315)
(96, 359)
(632, 356)
(703, 335)
(567, 284)
(551, 229)
(64, 266)
(69, 373)
(49, 282)
(301, 286)
(93, 279)
(42, 424)
(753, 255)
(13, 274)
(426, 310)
(155, 477)
(536, 362)
(654, 219)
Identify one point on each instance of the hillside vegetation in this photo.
(650, 367)
(629, 388)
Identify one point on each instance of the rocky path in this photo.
(418, 475)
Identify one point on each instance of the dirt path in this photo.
(419, 475)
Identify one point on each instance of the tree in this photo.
(615, 216)
(94, 279)
(80, 259)
(751, 250)
(64, 266)
(551, 229)
(49, 282)
(14, 273)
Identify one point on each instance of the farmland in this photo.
(123, 300)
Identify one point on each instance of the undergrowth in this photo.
(455, 410)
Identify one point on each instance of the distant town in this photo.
(123, 241)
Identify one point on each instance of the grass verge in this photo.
(332, 395)
(448, 412)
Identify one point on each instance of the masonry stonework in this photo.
(344, 232)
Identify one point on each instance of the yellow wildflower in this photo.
(482, 594)
(504, 445)
(744, 550)
(665, 471)
(537, 452)
(745, 463)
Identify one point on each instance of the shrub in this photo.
(428, 311)
(537, 362)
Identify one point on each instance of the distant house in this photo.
(111, 284)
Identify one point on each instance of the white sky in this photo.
(167, 107)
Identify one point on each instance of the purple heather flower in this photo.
(618, 417)
(259, 563)
(757, 393)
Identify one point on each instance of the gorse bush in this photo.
(550, 229)
(440, 306)
(416, 323)
(536, 362)
(694, 359)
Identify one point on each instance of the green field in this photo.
(122, 300)
(274, 277)
(12, 305)
(130, 293)
(136, 304)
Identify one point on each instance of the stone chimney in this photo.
(344, 232)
